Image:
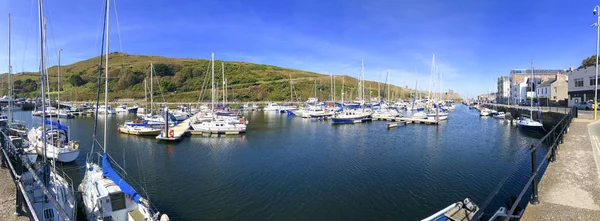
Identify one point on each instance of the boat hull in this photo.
(338, 120)
(140, 132)
(530, 127)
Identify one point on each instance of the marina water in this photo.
(289, 168)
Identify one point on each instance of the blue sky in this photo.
(474, 41)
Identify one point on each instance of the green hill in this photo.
(183, 80)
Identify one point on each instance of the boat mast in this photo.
(58, 88)
(416, 89)
(387, 84)
(362, 84)
(317, 98)
(45, 172)
(223, 76)
(10, 101)
(331, 88)
(291, 96)
(378, 87)
(146, 96)
(343, 79)
(106, 76)
(333, 79)
(531, 103)
(212, 89)
(151, 90)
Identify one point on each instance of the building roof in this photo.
(538, 71)
(546, 83)
(590, 69)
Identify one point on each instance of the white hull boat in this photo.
(58, 145)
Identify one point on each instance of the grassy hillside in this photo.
(183, 79)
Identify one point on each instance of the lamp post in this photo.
(597, 24)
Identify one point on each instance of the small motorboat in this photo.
(499, 115)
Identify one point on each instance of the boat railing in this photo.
(552, 139)
(130, 179)
(68, 179)
(13, 158)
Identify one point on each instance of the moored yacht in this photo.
(57, 141)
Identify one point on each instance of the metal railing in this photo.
(12, 154)
(552, 139)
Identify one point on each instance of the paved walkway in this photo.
(570, 187)
(7, 197)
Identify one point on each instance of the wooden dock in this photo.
(418, 121)
(176, 132)
(393, 119)
(193, 132)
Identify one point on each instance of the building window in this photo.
(579, 82)
(592, 82)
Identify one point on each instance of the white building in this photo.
(543, 90)
(519, 92)
(522, 91)
(503, 94)
(582, 85)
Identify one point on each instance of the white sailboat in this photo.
(49, 191)
(527, 123)
(353, 113)
(218, 124)
(17, 130)
(55, 142)
(105, 194)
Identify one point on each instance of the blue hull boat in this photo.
(338, 120)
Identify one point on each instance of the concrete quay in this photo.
(7, 197)
(570, 187)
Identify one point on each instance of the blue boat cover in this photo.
(109, 172)
(356, 106)
(145, 123)
(57, 125)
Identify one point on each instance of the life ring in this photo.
(171, 133)
(76, 145)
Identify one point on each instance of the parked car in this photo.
(525, 103)
(584, 106)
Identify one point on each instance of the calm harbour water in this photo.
(287, 168)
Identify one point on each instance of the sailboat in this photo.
(436, 113)
(17, 131)
(354, 113)
(53, 143)
(418, 114)
(147, 124)
(105, 194)
(218, 124)
(527, 123)
(49, 191)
